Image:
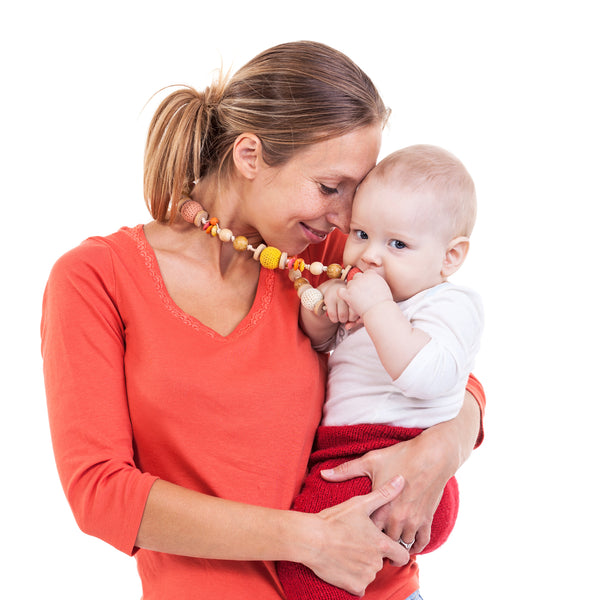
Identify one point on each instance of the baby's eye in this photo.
(328, 191)
(361, 235)
(398, 244)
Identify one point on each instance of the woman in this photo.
(183, 398)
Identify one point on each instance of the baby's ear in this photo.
(455, 255)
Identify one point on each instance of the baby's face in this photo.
(394, 232)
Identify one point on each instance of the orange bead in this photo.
(240, 243)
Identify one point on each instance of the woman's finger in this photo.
(347, 470)
(382, 495)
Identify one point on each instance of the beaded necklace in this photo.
(270, 257)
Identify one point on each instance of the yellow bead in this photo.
(240, 243)
(270, 257)
(334, 271)
(316, 268)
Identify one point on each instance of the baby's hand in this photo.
(365, 291)
(337, 309)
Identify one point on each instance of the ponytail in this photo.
(176, 151)
(290, 96)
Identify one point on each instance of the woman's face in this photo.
(300, 202)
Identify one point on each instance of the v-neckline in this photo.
(264, 293)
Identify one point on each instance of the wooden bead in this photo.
(225, 235)
(319, 308)
(270, 257)
(293, 275)
(311, 297)
(300, 281)
(334, 271)
(283, 260)
(240, 243)
(258, 251)
(345, 272)
(316, 268)
(202, 216)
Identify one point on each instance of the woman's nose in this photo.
(340, 213)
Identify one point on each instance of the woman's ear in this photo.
(247, 155)
(455, 255)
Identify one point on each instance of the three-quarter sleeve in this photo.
(83, 348)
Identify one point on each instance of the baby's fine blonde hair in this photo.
(426, 167)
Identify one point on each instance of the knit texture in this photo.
(333, 446)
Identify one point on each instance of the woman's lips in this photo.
(314, 235)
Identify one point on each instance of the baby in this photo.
(403, 338)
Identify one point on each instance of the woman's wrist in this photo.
(454, 440)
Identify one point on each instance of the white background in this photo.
(501, 84)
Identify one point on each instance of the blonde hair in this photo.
(424, 166)
(290, 96)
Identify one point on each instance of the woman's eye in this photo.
(328, 191)
(361, 235)
(398, 244)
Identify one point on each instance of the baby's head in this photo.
(412, 218)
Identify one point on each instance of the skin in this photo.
(288, 207)
(401, 251)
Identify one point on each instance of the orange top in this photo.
(138, 390)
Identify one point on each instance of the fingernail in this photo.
(327, 472)
(397, 481)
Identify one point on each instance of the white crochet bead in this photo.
(310, 297)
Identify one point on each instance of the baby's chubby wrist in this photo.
(378, 304)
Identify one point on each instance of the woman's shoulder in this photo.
(97, 254)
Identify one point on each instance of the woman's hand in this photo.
(352, 549)
(426, 462)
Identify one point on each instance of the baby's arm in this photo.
(322, 328)
(396, 341)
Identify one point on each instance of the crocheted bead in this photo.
(301, 289)
(270, 257)
(334, 271)
(316, 268)
(310, 297)
(189, 210)
(240, 243)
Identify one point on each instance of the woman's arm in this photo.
(341, 545)
(426, 462)
(112, 499)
